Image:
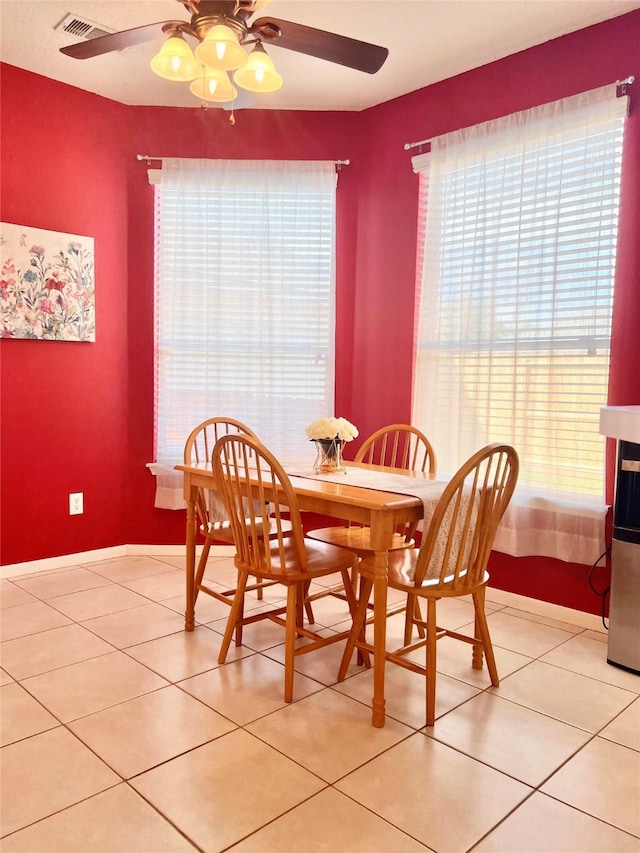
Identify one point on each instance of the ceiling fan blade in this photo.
(118, 41)
(324, 45)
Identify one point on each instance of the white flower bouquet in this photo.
(330, 429)
(329, 435)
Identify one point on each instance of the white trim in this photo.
(177, 550)
(545, 608)
(49, 564)
(499, 596)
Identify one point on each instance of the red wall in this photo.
(79, 417)
(64, 405)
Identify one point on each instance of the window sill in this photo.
(532, 526)
(572, 531)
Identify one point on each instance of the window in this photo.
(516, 291)
(244, 298)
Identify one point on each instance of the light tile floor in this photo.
(120, 732)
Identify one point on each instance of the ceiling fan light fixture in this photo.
(175, 60)
(258, 74)
(221, 49)
(223, 32)
(214, 85)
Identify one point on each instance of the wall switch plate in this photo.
(76, 503)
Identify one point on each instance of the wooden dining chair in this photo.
(246, 472)
(451, 562)
(396, 446)
(213, 522)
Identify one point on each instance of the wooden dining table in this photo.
(382, 511)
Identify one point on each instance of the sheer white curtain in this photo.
(515, 309)
(245, 301)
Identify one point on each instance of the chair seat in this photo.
(321, 559)
(402, 572)
(355, 539)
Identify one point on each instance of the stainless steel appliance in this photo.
(623, 424)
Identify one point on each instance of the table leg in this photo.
(189, 613)
(379, 637)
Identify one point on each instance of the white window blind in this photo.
(245, 298)
(516, 298)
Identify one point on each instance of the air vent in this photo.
(81, 28)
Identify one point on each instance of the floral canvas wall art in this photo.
(47, 285)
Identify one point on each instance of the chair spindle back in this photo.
(456, 546)
(398, 446)
(248, 475)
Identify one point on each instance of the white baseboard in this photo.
(499, 596)
(51, 563)
(546, 609)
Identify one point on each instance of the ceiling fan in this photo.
(222, 28)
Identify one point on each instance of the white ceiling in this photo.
(428, 41)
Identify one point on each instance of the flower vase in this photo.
(329, 456)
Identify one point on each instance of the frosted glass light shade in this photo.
(175, 61)
(221, 49)
(258, 74)
(214, 85)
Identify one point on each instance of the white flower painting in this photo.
(47, 285)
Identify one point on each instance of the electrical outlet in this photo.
(76, 503)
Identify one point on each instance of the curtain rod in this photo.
(149, 158)
(624, 83)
